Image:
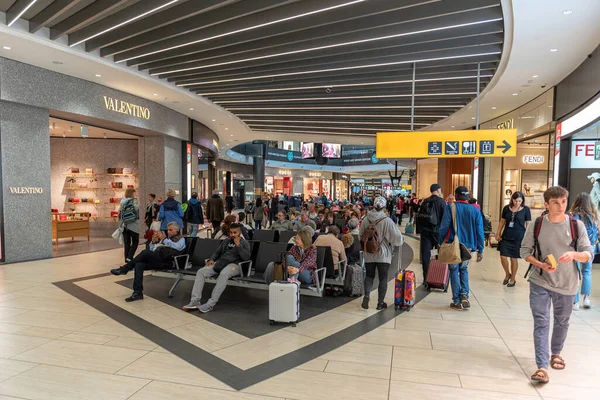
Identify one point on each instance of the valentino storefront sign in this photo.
(124, 107)
(26, 190)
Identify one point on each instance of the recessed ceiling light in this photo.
(191, 109)
(214, 120)
(99, 76)
(515, 94)
(554, 50)
(57, 62)
(567, 12)
(226, 129)
(453, 126)
(493, 108)
(230, 135)
(535, 76)
(362, 143)
(6, 47)
(472, 117)
(155, 94)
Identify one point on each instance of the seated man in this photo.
(281, 224)
(304, 221)
(337, 247)
(225, 263)
(161, 253)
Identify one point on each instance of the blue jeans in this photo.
(257, 224)
(193, 230)
(586, 279)
(459, 280)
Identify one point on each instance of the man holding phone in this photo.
(225, 263)
(160, 255)
(551, 245)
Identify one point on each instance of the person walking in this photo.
(550, 245)
(194, 215)
(584, 210)
(469, 229)
(170, 211)
(151, 210)
(513, 224)
(229, 204)
(259, 213)
(428, 223)
(388, 236)
(215, 211)
(129, 217)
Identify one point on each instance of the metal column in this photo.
(412, 106)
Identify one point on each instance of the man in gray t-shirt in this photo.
(553, 277)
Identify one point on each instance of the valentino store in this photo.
(70, 148)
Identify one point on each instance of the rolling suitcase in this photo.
(438, 276)
(284, 302)
(404, 290)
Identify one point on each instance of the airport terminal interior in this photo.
(299, 199)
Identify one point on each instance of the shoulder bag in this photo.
(455, 252)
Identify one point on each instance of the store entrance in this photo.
(90, 169)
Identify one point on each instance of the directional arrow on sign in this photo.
(505, 146)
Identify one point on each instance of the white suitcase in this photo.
(284, 302)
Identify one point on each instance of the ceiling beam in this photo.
(94, 11)
(17, 10)
(238, 27)
(187, 26)
(121, 17)
(174, 14)
(50, 13)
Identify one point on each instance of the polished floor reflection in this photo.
(54, 346)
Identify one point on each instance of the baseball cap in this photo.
(461, 193)
(434, 187)
(379, 202)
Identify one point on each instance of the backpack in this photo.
(427, 216)
(184, 207)
(370, 238)
(592, 231)
(536, 233)
(128, 214)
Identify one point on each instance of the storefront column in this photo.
(25, 152)
(228, 191)
(258, 172)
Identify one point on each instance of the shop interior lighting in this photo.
(22, 12)
(243, 30)
(255, 121)
(515, 94)
(6, 47)
(191, 109)
(493, 108)
(125, 22)
(554, 50)
(344, 85)
(568, 12)
(70, 129)
(343, 98)
(340, 69)
(98, 76)
(214, 120)
(535, 76)
(330, 46)
(342, 108)
(154, 94)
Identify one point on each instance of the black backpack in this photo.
(427, 216)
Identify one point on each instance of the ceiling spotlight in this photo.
(266, 137)
(567, 12)
(493, 108)
(362, 142)
(155, 94)
(535, 76)
(515, 94)
(230, 135)
(191, 109)
(226, 129)
(214, 120)
(472, 117)
(554, 50)
(98, 75)
(64, 134)
(6, 47)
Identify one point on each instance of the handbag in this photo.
(89, 170)
(74, 170)
(127, 170)
(450, 253)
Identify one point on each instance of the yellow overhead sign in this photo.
(447, 144)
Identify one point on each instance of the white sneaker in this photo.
(587, 303)
(575, 306)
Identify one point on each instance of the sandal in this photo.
(541, 376)
(557, 362)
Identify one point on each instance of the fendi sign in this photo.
(26, 190)
(508, 124)
(124, 107)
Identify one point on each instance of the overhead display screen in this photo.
(332, 150)
(308, 150)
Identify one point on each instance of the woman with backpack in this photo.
(129, 212)
(513, 224)
(583, 209)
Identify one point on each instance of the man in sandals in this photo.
(552, 245)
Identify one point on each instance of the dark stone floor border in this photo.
(216, 367)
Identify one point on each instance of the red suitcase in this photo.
(437, 275)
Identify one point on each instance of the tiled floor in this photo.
(54, 346)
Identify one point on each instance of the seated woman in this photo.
(301, 261)
(224, 231)
(352, 248)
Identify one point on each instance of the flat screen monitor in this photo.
(332, 150)
(308, 150)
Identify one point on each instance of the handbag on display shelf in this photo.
(96, 201)
(62, 217)
(84, 200)
(83, 186)
(127, 171)
(74, 170)
(76, 200)
(89, 170)
(129, 186)
(111, 171)
(114, 214)
(118, 170)
(54, 210)
(113, 200)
